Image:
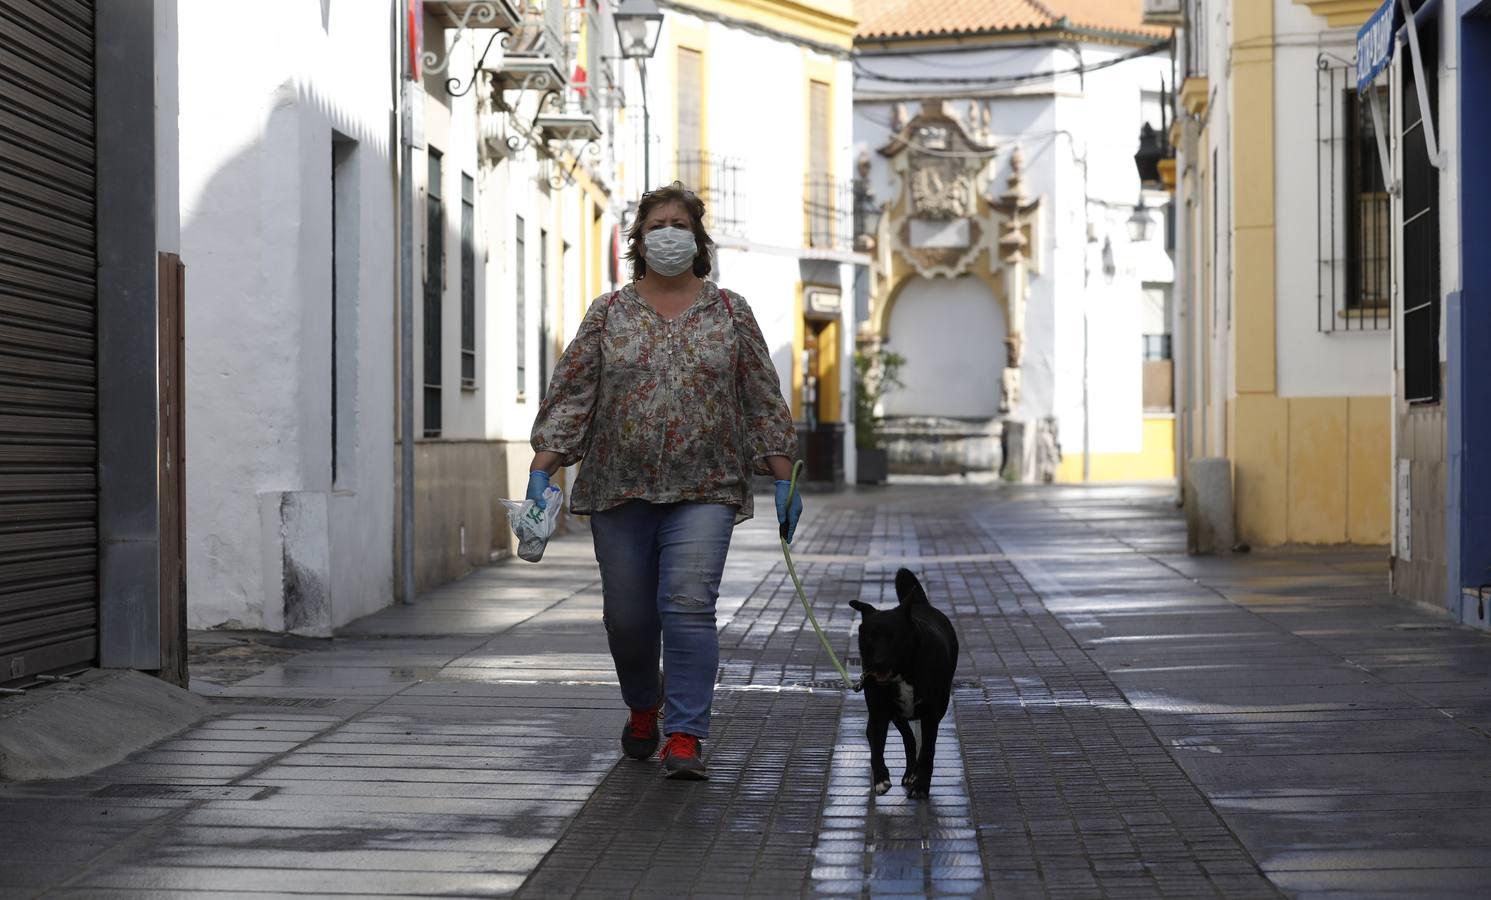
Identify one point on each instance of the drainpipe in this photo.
(1182, 296)
(406, 313)
(1076, 51)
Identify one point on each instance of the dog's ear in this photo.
(908, 589)
(862, 606)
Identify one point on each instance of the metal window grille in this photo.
(1157, 347)
(521, 303)
(717, 181)
(822, 195)
(468, 282)
(1354, 275)
(1420, 282)
(1194, 32)
(829, 207)
(434, 294)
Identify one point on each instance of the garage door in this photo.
(48, 447)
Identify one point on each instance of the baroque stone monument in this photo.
(946, 220)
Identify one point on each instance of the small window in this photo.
(434, 294)
(821, 189)
(520, 302)
(690, 116)
(468, 282)
(1353, 209)
(1369, 272)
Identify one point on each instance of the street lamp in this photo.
(638, 26)
(1141, 223)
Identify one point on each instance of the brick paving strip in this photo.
(1048, 783)
(1071, 794)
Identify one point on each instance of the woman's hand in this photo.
(788, 512)
(538, 481)
(545, 463)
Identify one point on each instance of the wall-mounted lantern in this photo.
(639, 24)
(1141, 223)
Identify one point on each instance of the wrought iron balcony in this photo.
(570, 115)
(463, 14)
(829, 213)
(573, 114)
(538, 55)
(717, 180)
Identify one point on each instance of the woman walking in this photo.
(669, 396)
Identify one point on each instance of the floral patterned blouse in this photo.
(665, 411)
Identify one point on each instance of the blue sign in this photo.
(1374, 44)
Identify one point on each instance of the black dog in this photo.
(909, 655)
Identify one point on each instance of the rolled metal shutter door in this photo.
(48, 360)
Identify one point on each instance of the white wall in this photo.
(256, 236)
(1312, 362)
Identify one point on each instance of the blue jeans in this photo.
(660, 577)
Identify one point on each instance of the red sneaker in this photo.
(639, 737)
(681, 757)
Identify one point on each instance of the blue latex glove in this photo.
(787, 516)
(537, 481)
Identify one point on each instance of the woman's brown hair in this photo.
(673, 193)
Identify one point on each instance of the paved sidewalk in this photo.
(1127, 722)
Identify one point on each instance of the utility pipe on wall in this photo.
(404, 116)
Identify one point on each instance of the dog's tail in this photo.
(908, 589)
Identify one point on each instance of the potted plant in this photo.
(876, 374)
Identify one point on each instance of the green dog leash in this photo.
(797, 583)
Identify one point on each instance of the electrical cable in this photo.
(1021, 78)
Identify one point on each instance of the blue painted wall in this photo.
(1469, 351)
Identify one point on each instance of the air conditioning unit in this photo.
(1163, 12)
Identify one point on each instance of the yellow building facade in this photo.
(1272, 376)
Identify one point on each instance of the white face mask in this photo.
(670, 250)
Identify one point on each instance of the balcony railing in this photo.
(541, 61)
(474, 13)
(538, 53)
(717, 180)
(829, 213)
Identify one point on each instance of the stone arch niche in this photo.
(951, 332)
(954, 259)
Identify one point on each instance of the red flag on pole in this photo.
(416, 32)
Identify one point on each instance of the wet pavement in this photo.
(1127, 722)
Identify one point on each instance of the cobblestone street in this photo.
(1127, 722)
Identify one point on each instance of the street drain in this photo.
(301, 702)
(184, 792)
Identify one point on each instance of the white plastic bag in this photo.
(532, 525)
